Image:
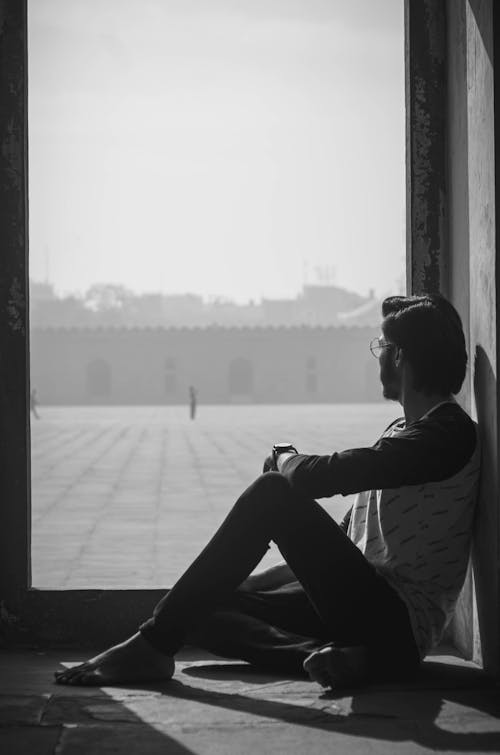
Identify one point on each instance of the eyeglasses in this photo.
(377, 345)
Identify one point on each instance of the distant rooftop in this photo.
(108, 305)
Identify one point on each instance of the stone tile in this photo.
(91, 708)
(32, 672)
(133, 739)
(17, 740)
(22, 709)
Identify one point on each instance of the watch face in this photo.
(280, 448)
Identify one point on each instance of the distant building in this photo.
(78, 366)
(366, 315)
(111, 305)
(316, 305)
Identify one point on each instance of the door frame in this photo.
(82, 617)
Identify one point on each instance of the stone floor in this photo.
(218, 707)
(126, 497)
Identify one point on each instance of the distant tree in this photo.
(105, 297)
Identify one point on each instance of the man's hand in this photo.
(269, 465)
(269, 579)
(251, 583)
(276, 459)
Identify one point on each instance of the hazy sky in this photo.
(227, 148)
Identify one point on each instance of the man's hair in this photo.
(429, 330)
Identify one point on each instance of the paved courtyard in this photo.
(127, 496)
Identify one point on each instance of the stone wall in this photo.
(226, 365)
(453, 158)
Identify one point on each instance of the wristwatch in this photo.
(282, 448)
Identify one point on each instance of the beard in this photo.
(390, 381)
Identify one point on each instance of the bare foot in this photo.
(134, 660)
(337, 667)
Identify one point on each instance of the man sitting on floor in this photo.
(365, 599)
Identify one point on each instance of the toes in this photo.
(76, 679)
(93, 677)
(315, 665)
(63, 679)
(338, 667)
(81, 672)
(320, 676)
(62, 672)
(65, 676)
(325, 666)
(317, 660)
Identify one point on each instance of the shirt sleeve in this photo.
(429, 450)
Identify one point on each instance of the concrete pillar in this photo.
(14, 445)
(425, 52)
(462, 628)
(451, 178)
(483, 317)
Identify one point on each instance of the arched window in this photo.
(98, 378)
(241, 378)
(170, 376)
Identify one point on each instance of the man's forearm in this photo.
(433, 448)
(282, 458)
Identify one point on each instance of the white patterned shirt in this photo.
(418, 537)
(413, 517)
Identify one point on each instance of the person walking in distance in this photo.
(193, 401)
(366, 599)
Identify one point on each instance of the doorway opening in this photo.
(206, 210)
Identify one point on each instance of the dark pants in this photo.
(339, 596)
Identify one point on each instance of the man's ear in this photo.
(398, 356)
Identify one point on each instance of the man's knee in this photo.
(270, 489)
(273, 484)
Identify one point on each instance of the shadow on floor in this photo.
(376, 710)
